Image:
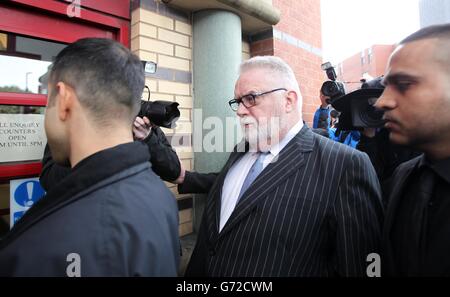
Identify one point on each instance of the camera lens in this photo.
(372, 100)
(371, 117)
(332, 89)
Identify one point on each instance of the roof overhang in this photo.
(256, 15)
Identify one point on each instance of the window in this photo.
(362, 58)
(369, 56)
(3, 41)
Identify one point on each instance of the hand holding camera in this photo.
(163, 113)
(141, 128)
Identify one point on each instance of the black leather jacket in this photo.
(163, 158)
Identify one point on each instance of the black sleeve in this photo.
(51, 173)
(357, 216)
(369, 145)
(382, 153)
(377, 148)
(199, 183)
(164, 159)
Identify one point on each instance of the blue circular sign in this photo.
(27, 193)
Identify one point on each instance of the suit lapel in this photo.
(392, 206)
(290, 159)
(215, 196)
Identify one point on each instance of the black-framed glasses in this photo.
(249, 100)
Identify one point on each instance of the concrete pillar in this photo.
(217, 53)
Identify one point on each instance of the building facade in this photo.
(369, 63)
(198, 46)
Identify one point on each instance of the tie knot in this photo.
(253, 173)
(261, 156)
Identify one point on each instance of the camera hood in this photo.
(342, 104)
(371, 89)
(355, 110)
(161, 113)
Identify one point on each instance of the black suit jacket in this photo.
(316, 211)
(394, 190)
(119, 217)
(437, 262)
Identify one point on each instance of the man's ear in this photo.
(291, 101)
(66, 99)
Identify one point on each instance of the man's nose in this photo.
(242, 110)
(385, 102)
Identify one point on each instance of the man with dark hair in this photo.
(111, 215)
(321, 118)
(416, 102)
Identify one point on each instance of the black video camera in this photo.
(331, 88)
(161, 113)
(356, 108)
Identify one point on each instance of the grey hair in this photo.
(277, 65)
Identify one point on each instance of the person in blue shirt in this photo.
(350, 137)
(322, 115)
(347, 137)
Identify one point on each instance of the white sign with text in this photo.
(22, 137)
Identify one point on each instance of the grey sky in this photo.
(349, 26)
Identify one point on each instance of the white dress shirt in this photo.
(238, 172)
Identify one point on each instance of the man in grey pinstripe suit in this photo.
(314, 209)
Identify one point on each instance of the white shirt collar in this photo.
(276, 148)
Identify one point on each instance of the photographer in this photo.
(330, 92)
(163, 158)
(322, 115)
(348, 137)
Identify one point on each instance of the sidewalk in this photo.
(187, 246)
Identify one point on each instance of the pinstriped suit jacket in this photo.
(316, 211)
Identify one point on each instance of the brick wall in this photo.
(263, 47)
(381, 58)
(164, 35)
(245, 50)
(351, 71)
(297, 39)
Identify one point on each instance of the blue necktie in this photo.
(256, 169)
